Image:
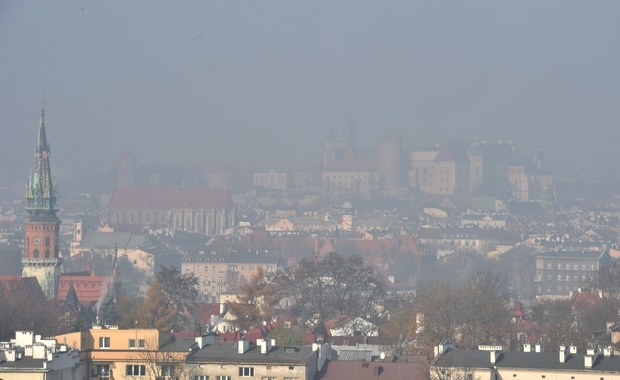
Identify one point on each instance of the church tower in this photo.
(41, 253)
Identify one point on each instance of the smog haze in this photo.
(270, 80)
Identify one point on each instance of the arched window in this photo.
(47, 241)
(47, 253)
(36, 253)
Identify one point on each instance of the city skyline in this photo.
(271, 81)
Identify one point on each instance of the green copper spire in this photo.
(41, 192)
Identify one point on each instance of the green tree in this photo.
(156, 311)
(178, 292)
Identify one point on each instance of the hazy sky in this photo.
(202, 80)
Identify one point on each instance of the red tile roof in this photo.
(164, 199)
(89, 289)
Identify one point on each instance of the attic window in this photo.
(290, 349)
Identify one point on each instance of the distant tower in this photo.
(346, 223)
(41, 254)
(390, 151)
(341, 147)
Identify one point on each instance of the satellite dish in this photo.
(382, 356)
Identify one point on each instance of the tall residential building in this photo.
(41, 253)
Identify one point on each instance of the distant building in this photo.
(559, 273)
(220, 273)
(351, 179)
(201, 210)
(389, 164)
(270, 180)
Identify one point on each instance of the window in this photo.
(135, 370)
(103, 371)
(223, 378)
(201, 377)
(167, 370)
(246, 371)
(268, 378)
(140, 343)
(548, 266)
(132, 343)
(559, 277)
(291, 368)
(47, 241)
(104, 342)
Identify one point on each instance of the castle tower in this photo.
(41, 253)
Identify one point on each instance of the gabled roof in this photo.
(88, 289)
(165, 199)
(11, 283)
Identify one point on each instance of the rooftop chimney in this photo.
(494, 356)
(563, 356)
(377, 370)
(539, 348)
(243, 346)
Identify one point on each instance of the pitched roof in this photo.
(526, 360)
(340, 369)
(88, 288)
(165, 199)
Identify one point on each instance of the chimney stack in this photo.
(243, 346)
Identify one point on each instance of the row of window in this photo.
(104, 342)
(37, 254)
(44, 227)
(540, 265)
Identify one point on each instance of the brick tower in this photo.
(41, 254)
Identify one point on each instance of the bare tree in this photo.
(322, 287)
(162, 364)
